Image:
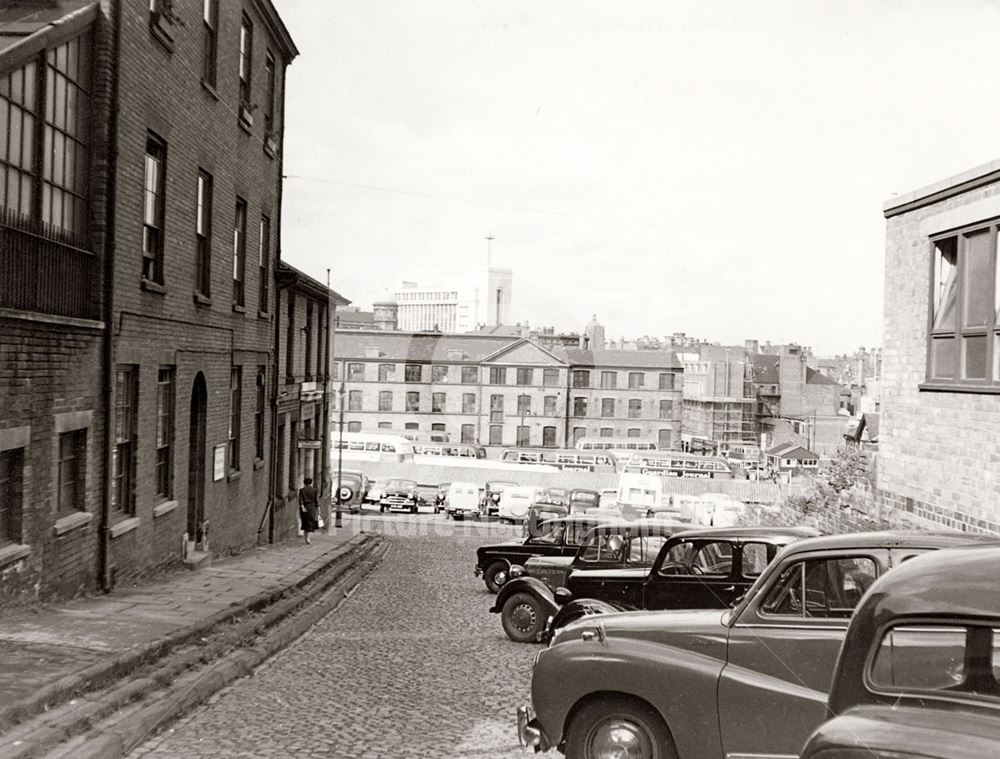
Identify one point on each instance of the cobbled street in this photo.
(411, 665)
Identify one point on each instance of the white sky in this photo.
(716, 168)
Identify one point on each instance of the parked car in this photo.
(554, 496)
(528, 600)
(582, 500)
(490, 504)
(400, 494)
(462, 500)
(684, 569)
(555, 537)
(354, 487)
(515, 503)
(542, 512)
(678, 683)
(919, 672)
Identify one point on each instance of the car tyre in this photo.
(619, 723)
(522, 620)
(413, 509)
(496, 575)
(382, 508)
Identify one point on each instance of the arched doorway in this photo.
(196, 461)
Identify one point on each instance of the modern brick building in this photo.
(502, 391)
(939, 448)
(139, 225)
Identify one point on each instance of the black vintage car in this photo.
(583, 499)
(707, 568)
(354, 487)
(527, 600)
(400, 494)
(555, 537)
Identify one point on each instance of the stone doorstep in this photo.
(198, 560)
(118, 666)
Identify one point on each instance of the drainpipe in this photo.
(104, 550)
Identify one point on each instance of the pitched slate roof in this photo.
(624, 359)
(792, 451)
(416, 347)
(818, 378)
(765, 369)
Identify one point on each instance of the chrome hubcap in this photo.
(524, 618)
(500, 577)
(619, 739)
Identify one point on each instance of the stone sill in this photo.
(209, 89)
(237, 308)
(153, 287)
(37, 316)
(164, 508)
(264, 315)
(13, 552)
(943, 387)
(234, 474)
(202, 300)
(71, 522)
(258, 463)
(124, 526)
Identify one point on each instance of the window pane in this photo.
(945, 277)
(974, 362)
(943, 355)
(978, 279)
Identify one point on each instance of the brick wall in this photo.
(939, 452)
(49, 372)
(161, 91)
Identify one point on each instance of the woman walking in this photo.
(308, 508)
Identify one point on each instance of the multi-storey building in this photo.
(301, 425)
(500, 391)
(459, 304)
(199, 123)
(141, 161)
(719, 406)
(56, 89)
(940, 377)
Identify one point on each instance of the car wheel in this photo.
(496, 575)
(619, 727)
(382, 507)
(522, 619)
(346, 494)
(413, 509)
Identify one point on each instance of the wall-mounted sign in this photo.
(219, 460)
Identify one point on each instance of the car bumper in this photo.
(529, 733)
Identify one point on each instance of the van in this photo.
(462, 500)
(637, 493)
(515, 502)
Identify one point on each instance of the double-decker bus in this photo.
(677, 464)
(462, 450)
(743, 456)
(616, 444)
(566, 459)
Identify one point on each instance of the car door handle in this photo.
(729, 589)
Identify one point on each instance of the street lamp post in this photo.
(338, 519)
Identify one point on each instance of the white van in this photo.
(515, 502)
(637, 493)
(462, 500)
(720, 510)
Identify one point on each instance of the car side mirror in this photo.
(563, 596)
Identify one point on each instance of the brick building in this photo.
(197, 222)
(302, 403)
(502, 391)
(940, 407)
(139, 228)
(55, 95)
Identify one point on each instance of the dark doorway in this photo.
(196, 461)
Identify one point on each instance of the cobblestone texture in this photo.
(411, 665)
